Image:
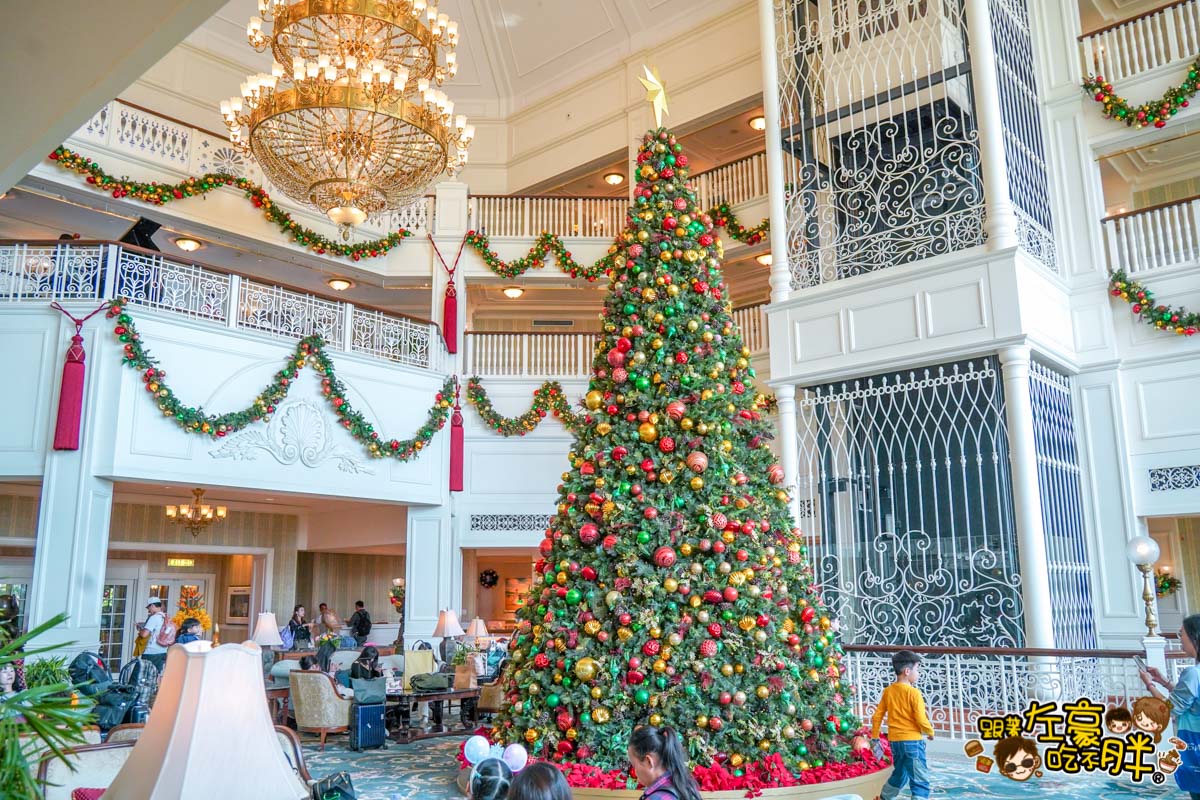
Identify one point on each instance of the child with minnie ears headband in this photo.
(492, 767)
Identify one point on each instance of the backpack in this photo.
(89, 675)
(166, 634)
(431, 682)
(363, 626)
(288, 638)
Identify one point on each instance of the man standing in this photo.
(359, 624)
(155, 653)
(329, 618)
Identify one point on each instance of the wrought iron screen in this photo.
(877, 112)
(1024, 146)
(905, 482)
(1073, 614)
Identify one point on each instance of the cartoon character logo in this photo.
(1118, 720)
(1151, 715)
(1017, 758)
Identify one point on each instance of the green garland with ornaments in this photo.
(546, 244)
(159, 194)
(1140, 115)
(1141, 301)
(548, 398)
(1166, 584)
(723, 217)
(310, 351)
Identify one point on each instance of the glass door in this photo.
(178, 592)
(114, 622)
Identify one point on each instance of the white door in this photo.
(117, 607)
(171, 588)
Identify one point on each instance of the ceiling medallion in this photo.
(350, 121)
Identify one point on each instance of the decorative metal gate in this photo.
(906, 500)
(1073, 614)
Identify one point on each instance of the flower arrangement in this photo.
(1166, 584)
(191, 604)
(328, 636)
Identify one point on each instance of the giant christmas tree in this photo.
(673, 588)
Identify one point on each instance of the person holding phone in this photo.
(1184, 696)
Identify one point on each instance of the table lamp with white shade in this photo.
(266, 631)
(448, 628)
(210, 733)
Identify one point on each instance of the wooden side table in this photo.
(277, 702)
(440, 704)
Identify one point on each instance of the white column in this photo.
(429, 562)
(1027, 507)
(789, 456)
(1001, 222)
(781, 274)
(74, 512)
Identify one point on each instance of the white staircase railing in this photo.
(532, 355)
(516, 215)
(733, 183)
(44, 271)
(752, 322)
(1133, 46)
(1166, 235)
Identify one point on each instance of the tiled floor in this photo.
(427, 770)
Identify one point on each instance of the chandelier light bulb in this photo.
(235, 104)
(366, 76)
(224, 108)
(452, 32)
(460, 122)
(422, 85)
(350, 63)
(469, 133)
(431, 14)
(347, 215)
(418, 7)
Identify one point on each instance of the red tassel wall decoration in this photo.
(70, 397)
(457, 446)
(70, 394)
(450, 317)
(450, 302)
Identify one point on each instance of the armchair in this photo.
(90, 765)
(319, 708)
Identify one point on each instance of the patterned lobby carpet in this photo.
(427, 770)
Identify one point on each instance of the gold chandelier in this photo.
(197, 515)
(351, 121)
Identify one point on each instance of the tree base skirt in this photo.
(865, 786)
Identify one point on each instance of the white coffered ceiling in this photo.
(512, 53)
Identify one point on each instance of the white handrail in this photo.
(1167, 34)
(532, 355)
(733, 183)
(1156, 238)
(44, 271)
(516, 215)
(752, 322)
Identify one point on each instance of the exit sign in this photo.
(181, 562)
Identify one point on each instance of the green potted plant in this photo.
(40, 717)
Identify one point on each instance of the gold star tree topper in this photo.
(656, 93)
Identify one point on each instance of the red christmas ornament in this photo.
(664, 556)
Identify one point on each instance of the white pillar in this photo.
(429, 562)
(1027, 507)
(789, 455)
(1001, 221)
(74, 513)
(781, 274)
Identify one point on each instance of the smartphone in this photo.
(1141, 664)
(877, 749)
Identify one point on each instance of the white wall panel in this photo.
(33, 364)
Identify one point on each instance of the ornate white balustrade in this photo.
(533, 355)
(1166, 235)
(752, 322)
(961, 685)
(41, 272)
(1142, 43)
(736, 182)
(515, 215)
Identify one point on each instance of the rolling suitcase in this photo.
(366, 726)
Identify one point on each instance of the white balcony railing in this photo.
(733, 183)
(44, 271)
(752, 322)
(961, 685)
(513, 215)
(534, 355)
(1166, 235)
(1136, 45)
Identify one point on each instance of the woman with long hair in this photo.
(300, 628)
(660, 764)
(1184, 707)
(367, 664)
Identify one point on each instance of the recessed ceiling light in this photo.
(764, 259)
(758, 123)
(614, 179)
(340, 284)
(188, 244)
(513, 292)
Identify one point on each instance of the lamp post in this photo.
(1142, 552)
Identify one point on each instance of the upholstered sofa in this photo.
(281, 671)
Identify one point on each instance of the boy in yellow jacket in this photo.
(904, 707)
